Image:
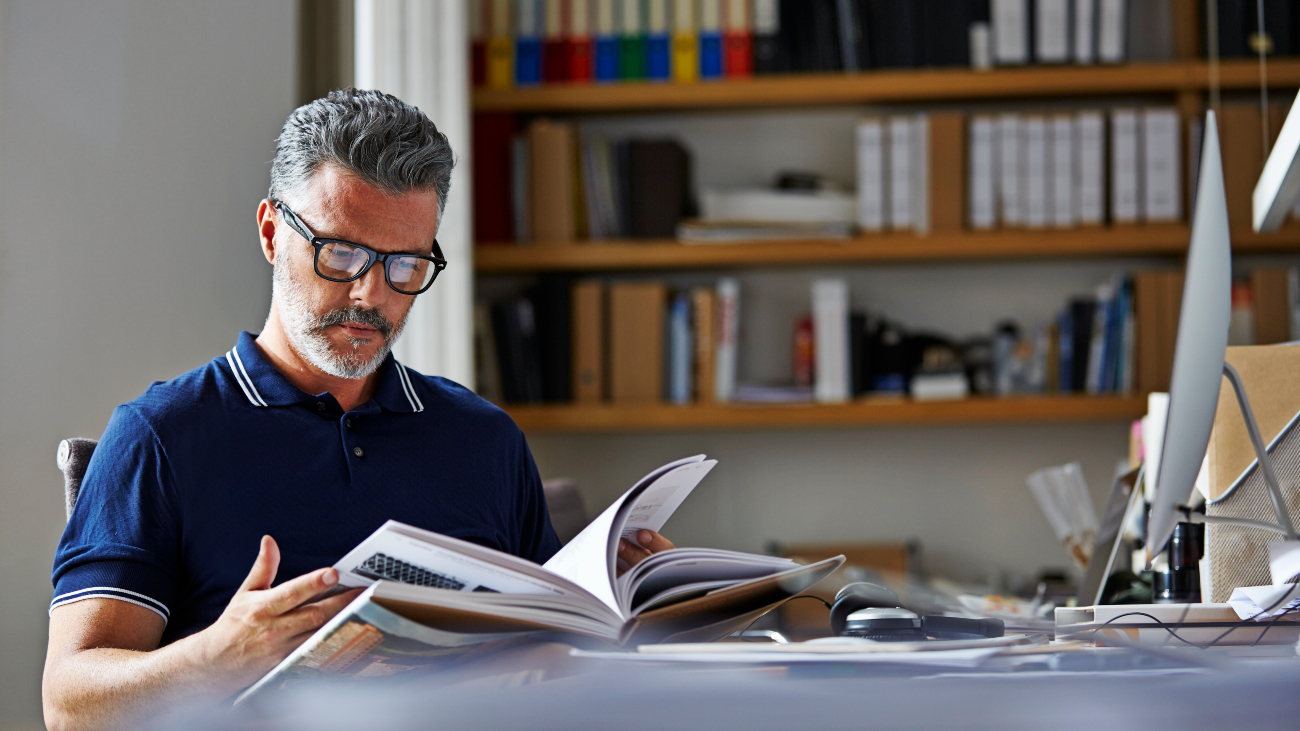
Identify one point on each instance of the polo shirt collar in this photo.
(263, 385)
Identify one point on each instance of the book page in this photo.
(408, 555)
(588, 559)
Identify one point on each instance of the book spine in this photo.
(921, 174)
(551, 184)
(830, 300)
(1052, 31)
(1097, 343)
(578, 45)
(683, 347)
(1125, 184)
(520, 189)
(1085, 32)
(1037, 180)
(704, 321)
(1161, 150)
(1010, 32)
(686, 52)
(728, 330)
(1091, 169)
(555, 55)
(710, 35)
(1111, 20)
(846, 24)
(1010, 149)
(803, 354)
(982, 189)
(737, 40)
(1063, 173)
(500, 47)
(872, 210)
(607, 61)
(528, 42)
(1065, 352)
(945, 146)
(493, 167)
(589, 329)
(631, 41)
(767, 41)
(900, 173)
(658, 40)
(637, 319)
(478, 33)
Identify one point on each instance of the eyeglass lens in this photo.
(405, 273)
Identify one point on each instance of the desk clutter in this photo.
(542, 42)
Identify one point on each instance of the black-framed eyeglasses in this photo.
(343, 261)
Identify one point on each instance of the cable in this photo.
(1212, 39)
(801, 596)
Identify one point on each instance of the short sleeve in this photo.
(122, 541)
(537, 538)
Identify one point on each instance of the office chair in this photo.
(72, 458)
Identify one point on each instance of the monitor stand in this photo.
(1283, 555)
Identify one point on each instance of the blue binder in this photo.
(528, 61)
(658, 56)
(606, 58)
(710, 55)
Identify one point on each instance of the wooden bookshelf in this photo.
(915, 85)
(1120, 241)
(868, 412)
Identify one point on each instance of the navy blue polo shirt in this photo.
(189, 476)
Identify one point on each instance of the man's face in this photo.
(347, 328)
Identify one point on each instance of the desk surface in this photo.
(1258, 695)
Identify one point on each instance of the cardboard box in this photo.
(1270, 374)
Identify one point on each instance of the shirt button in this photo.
(347, 423)
(358, 451)
(320, 405)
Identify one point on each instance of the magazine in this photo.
(431, 598)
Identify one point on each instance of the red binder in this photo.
(555, 61)
(494, 220)
(579, 50)
(737, 54)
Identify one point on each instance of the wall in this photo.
(135, 137)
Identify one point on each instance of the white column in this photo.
(417, 51)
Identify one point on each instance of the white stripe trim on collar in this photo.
(416, 405)
(247, 378)
(234, 371)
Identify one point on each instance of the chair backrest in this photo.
(72, 458)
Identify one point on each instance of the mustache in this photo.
(362, 315)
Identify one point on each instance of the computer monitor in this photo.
(1199, 366)
(1199, 351)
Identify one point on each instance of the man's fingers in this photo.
(262, 575)
(653, 542)
(631, 554)
(310, 617)
(290, 594)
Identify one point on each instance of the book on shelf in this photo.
(555, 56)
(728, 335)
(686, 49)
(551, 186)
(704, 323)
(709, 32)
(1051, 31)
(770, 55)
(1238, 27)
(658, 40)
(479, 22)
(1035, 181)
(607, 41)
(1011, 31)
(500, 46)
(756, 206)
(1162, 188)
(981, 190)
(578, 44)
(737, 39)
(1010, 170)
(589, 334)
(1125, 166)
(631, 40)
(1064, 146)
(830, 306)
(529, 19)
(431, 599)
(493, 161)
(1083, 46)
(681, 351)
(873, 210)
(636, 342)
(1090, 134)
(1112, 33)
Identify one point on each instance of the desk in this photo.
(1259, 695)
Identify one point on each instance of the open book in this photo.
(431, 596)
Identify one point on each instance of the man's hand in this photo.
(261, 625)
(651, 542)
(104, 668)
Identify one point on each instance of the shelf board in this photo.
(869, 412)
(885, 86)
(1119, 241)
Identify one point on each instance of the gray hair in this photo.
(381, 139)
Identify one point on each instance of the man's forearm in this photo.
(109, 688)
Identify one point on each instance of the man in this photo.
(289, 449)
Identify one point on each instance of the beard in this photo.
(306, 329)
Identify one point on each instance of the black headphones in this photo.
(873, 612)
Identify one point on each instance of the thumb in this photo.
(264, 567)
